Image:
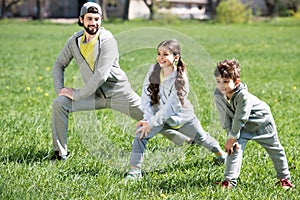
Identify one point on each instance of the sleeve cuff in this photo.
(231, 136)
(76, 95)
(150, 124)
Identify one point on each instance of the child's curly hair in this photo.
(154, 78)
(228, 69)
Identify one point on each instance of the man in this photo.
(96, 53)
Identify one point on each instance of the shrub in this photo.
(233, 11)
(296, 14)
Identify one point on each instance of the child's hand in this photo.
(145, 129)
(231, 145)
(140, 123)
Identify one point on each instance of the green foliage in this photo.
(233, 11)
(28, 50)
(288, 7)
(283, 8)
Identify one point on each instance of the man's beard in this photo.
(93, 31)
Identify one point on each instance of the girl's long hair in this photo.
(154, 78)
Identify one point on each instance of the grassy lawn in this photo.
(269, 55)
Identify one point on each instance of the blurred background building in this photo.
(126, 9)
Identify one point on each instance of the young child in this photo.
(165, 106)
(245, 117)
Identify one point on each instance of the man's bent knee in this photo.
(60, 101)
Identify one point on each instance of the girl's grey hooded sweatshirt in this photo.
(243, 112)
(169, 110)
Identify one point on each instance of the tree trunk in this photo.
(38, 10)
(272, 6)
(126, 10)
(103, 6)
(213, 4)
(150, 6)
(3, 12)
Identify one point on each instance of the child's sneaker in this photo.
(285, 184)
(226, 184)
(133, 175)
(56, 157)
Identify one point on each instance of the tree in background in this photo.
(293, 5)
(126, 10)
(281, 7)
(272, 6)
(6, 6)
(103, 4)
(38, 10)
(150, 4)
(213, 4)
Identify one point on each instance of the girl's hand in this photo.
(145, 129)
(67, 92)
(140, 123)
(231, 145)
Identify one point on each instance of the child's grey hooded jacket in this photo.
(243, 112)
(169, 110)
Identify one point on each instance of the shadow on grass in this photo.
(196, 173)
(25, 155)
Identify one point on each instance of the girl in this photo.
(165, 106)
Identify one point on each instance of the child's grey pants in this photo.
(267, 137)
(192, 129)
(128, 104)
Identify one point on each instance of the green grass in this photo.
(268, 52)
